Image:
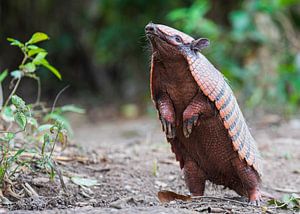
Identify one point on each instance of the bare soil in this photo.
(132, 162)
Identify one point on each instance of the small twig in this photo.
(56, 158)
(54, 143)
(1, 96)
(25, 57)
(30, 190)
(21, 130)
(57, 96)
(38, 98)
(11, 94)
(285, 190)
(223, 199)
(10, 192)
(57, 170)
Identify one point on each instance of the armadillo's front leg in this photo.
(199, 106)
(166, 114)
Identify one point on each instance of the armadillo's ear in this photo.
(199, 44)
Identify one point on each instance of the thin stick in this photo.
(57, 96)
(223, 199)
(1, 96)
(11, 94)
(58, 171)
(286, 190)
(38, 98)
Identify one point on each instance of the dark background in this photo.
(100, 48)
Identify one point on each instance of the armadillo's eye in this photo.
(178, 39)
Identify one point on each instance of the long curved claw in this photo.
(164, 124)
(168, 128)
(188, 125)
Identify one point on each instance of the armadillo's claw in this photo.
(188, 125)
(255, 203)
(255, 197)
(168, 128)
(163, 124)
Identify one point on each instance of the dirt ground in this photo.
(132, 162)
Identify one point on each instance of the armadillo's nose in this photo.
(150, 28)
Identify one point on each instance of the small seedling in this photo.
(29, 133)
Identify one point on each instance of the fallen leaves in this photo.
(166, 196)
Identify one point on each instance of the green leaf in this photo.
(84, 181)
(32, 121)
(33, 47)
(18, 153)
(52, 69)
(3, 75)
(72, 108)
(44, 127)
(7, 114)
(2, 173)
(39, 58)
(29, 67)
(60, 120)
(38, 37)
(8, 136)
(18, 102)
(15, 42)
(290, 202)
(21, 119)
(35, 51)
(52, 172)
(17, 74)
(62, 138)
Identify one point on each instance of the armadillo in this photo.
(200, 115)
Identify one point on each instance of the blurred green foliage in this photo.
(101, 47)
(258, 51)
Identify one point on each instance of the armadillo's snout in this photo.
(150, 28)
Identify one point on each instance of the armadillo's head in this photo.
(170, 43)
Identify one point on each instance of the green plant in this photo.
(288, 202)
(30, 132)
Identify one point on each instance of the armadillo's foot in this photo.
(168, 128)
(254, 197)
(188, 124)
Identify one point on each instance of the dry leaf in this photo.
(166, 196)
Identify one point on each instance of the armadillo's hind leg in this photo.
(249, 179)
(194, 178)
(166, 114)
(199, 106)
